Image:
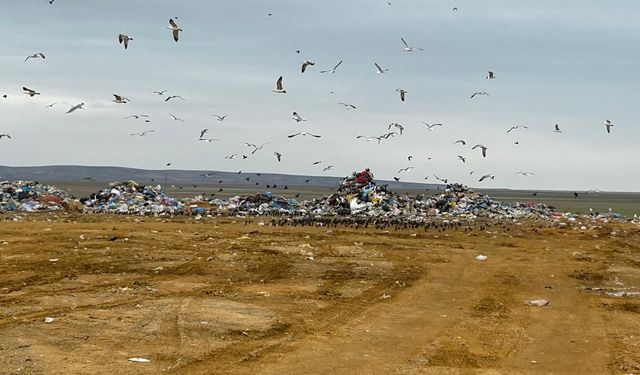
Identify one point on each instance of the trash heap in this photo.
(263, 204)
(131, 198)
(32, 196)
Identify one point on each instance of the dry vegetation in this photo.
(222, 296)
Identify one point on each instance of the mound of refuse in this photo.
(33, 196)
(131, 198)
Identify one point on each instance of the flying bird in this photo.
(232, 156)
(50, 105)
(258, 148)
(136, 116)
(606, 123)
(173, 26)
(316, 162)
(35, 56)
(441, 179)
(525, 173)
(279, 89)
(176, 118)
(173, 97)
(557, 129)
(160, 92)
(486, 176)
(369, 138)
(124, 39)
(402, 93)
(297, 117)
(409, 157)
(303, 134)
(407, 169)
(379, 69)
(77, 106)
(306, 63)
(407, 47)
(5, 136)
(220, 118)
(202, 133)
(332, 70)
(430, 126)
(484, 149)
(278, 155)
(30, 92)
(120, 99)
(348, 106)
(460, 141)
(517, 127)
(490, 75)
(479, 93)
(462, 158)
(328, 167)
(396, 178)
(141, 134)
(208, 140)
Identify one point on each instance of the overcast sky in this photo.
(554, 62)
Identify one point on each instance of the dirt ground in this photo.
(223, 296)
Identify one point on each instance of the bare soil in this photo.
(230, 296)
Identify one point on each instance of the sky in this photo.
(554, 63)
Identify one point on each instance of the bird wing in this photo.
(402, 95)
(172, 23)
(337, 65)
(176, 35)
(293, 135)
(314, 135)
(279, 83)
(474, 94)
(120, 37)
(378, 66)
(304, 66)
(404, 42)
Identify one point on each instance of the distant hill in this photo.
(78, 173)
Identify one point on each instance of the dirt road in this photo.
(220, 296)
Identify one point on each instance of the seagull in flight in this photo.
(407, 169)
(124, 39)
(316, 162)
(30, 92)
(557, 129)
(517, 127)
(173, 97)
(173, 26)
(50, 105)
(369, 138)
(258, 148)
(327, 168)
(120, 99)
(77, 106)
(160, 92)
(430, 127)
(5, 136)
(407, 47)
(176, 118)
(479, 93)
(460, 141)
(484, 150)
(141, 134)
(303, 134)
(220, 118)
(332, 70)
(278, 155)
(486, 176)
(441, 179)
(279, 89)
(136, 116)
(380, 70)
(402, 93)
(209, 140)
(525, 173)
(606, 123)
(306, 63)
(232, 156)
(35, 56)
(297, 117)
(490, 75)
(202, 133)
(462, 158)
(347, 106)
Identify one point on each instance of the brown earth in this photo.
(223, 296)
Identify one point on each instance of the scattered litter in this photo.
(481, 257)
(386, 296)
(537, 302)
(49, 319)
(139, 360)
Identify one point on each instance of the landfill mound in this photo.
(357, 197)
(33, 196)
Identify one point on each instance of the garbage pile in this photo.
(263, 204)
(131, 198)
(32, 196)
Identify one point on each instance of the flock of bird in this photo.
(393, 130)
